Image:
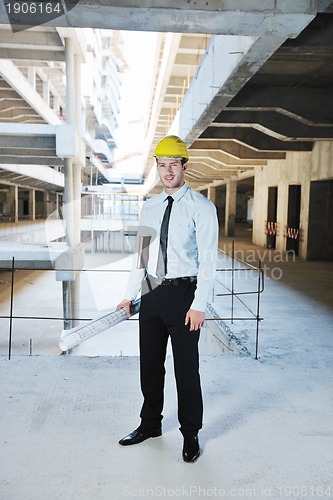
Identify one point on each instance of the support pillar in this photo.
(72, 191)
(68, 201)
(212, 194)
(32, 204)
(75, 285)
(76, 117)
(69, 218)
(13, 203)
(77, 95)
(230, 208)
(70, 81)
(47, 210)
(57, 203)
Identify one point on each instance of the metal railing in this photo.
(229, 290)
(254, 315)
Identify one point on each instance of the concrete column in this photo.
(32, 204)
(230, 208)
(282, 215)
(212, 194)
(71, 290)
(47, 203)
(304, 219)
(69, 218)
(70, 81)
(13, 203)
(69, 187)
(77, 185)
(75, 285)
(78, 125)
(77, 95)
(72, 177)
(69, 201)
(57, 203)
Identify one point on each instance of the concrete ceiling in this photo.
(24, 181)
(178, 57)
(40, 50)
(230, 17)
(285, 106)
(37, 53)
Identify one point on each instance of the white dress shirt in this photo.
(192, 241)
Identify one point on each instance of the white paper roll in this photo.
(73, 337)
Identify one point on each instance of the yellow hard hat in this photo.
(171, 147)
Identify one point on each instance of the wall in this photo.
(298, 168)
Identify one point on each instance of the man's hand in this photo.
(126, 304)
(195, 318)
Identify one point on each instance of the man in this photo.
(175, 273)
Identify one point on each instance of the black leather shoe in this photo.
(191, 449)
(138, 436)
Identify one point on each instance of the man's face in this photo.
(171, 172)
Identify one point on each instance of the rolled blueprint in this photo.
(74, 336)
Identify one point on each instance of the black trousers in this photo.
(162, 314)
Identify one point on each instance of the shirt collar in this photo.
(177, 195)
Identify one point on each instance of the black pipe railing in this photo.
(235, 295)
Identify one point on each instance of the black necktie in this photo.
(162, 257)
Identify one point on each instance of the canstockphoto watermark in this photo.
(193, 491)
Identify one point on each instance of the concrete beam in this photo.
(14, 77)
(177, 82)
(230, 208)
(12, 177)
(67, 143)
(24, 152)
(273, 124)
(235, 150)
(32, 55)
(196, 175)
(219, 158)
(47, 40)
(230, 17)
(20, 113)
(255, 139)
(31, 160)
(29, 256)
(7, 103)
(170, 48)
(313, 106)
(200, 171)
(40, 173)
(27, 142)
(192, 44)
(325, 6)
(27, 129)
(216, 84)
(41, 45)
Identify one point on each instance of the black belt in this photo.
(171, 281)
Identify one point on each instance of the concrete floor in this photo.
(267, 427)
